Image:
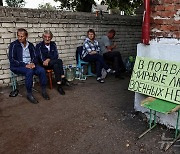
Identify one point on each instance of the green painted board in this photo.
(161, 106)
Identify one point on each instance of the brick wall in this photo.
(69, 31)
(165, 19)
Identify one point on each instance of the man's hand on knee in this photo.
(30, 66)
(46, 62)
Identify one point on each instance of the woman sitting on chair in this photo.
(91, 53)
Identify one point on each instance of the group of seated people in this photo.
(101, 51)
(27, 60)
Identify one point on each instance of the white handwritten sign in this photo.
(157, 78)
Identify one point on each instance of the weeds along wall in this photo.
(69, 30)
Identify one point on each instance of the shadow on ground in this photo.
(92, 118)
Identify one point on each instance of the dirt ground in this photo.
(92, 118)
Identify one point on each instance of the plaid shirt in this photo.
(89, 46)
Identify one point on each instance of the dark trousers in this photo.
(116, 59)
(28, 73)
(99, 60)
(57, 66)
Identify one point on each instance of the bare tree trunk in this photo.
(1, 2)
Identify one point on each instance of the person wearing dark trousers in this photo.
(23, 60)
(91, 52)
(107, 49)
(48, 58)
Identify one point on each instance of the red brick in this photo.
(165, 34)
(169, 14)
(176, 35)
(158, 21)
(174, 28)
(168, 1)
(157, 13)
(159, 8)
(152, 26)
(156, 2)
(155, 26)
(169, 7)
(169, 28)
(177, 21)
(158, 34)
(177, 7)
(153, 8)
(177, 1)
(168, 21)
(165, 28)
(151, 20)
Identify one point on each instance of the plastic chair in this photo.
(80, 62)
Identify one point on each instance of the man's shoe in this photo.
(61, 91)
(45, 96)
(100, 80)
(31, 99)
(65, 82)
(110, 71)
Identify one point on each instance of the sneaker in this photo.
(110, 71)
(100, 80)
(103, 74)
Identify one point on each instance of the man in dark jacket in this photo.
(23, 61)
(48, 58)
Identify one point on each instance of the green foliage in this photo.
(77, 5)
(15, 3)
(46, 6)
(128, 6)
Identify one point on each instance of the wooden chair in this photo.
(49, 74)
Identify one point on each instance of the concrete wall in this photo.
(164, 44)
(168, 50)
(69, 29)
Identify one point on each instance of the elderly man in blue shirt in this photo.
(23, 61)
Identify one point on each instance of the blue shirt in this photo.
(90, 46)
(26, 55)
